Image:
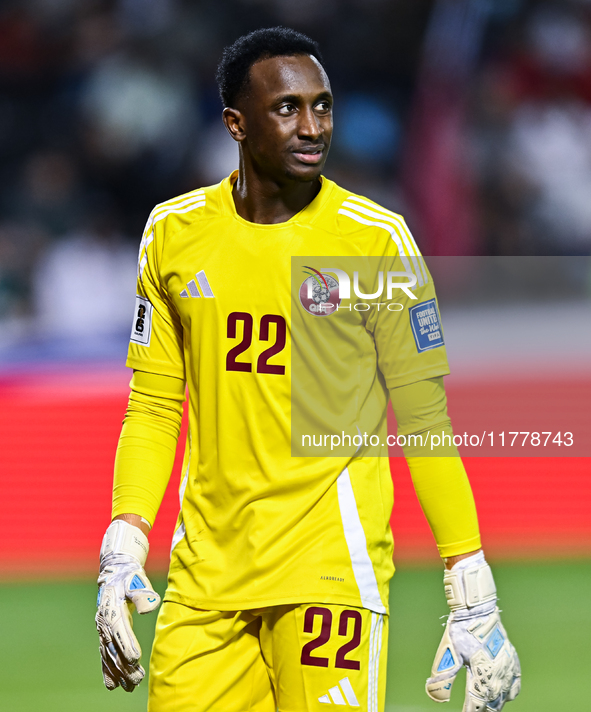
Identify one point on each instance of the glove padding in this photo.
(474, 637)
(480, 643)
(123, 586)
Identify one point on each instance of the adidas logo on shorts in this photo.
(341, 694)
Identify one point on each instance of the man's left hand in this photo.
(475, 637)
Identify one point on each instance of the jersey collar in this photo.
(307, 214)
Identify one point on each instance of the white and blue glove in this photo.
(123, 585)
(474, 637)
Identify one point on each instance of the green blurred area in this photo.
(49, 652)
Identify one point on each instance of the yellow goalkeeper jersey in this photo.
(245, 313)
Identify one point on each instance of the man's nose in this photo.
(309, 125)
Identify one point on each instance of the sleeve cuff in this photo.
(459, 547)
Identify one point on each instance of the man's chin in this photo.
(304, 174)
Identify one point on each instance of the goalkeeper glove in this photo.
(474, 636)
(123, 584)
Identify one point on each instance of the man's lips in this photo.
(310, 154)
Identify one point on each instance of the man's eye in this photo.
(286, 109)
(324, 106)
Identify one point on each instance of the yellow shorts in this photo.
(286, 658)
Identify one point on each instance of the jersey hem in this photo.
(250, 603)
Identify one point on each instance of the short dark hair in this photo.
(233, 70)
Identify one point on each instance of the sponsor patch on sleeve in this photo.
(141, 329)
(426, 325)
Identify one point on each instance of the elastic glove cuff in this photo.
(123, 538)
(469, 584)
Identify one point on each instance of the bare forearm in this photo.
(449, 561)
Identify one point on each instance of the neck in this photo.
(262, 199)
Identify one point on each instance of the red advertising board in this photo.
(59, 432)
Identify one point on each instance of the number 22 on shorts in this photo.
(349, 627)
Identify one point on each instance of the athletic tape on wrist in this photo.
(123, 538)
(469, 587)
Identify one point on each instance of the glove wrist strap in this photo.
(123, 538)
(469, 587)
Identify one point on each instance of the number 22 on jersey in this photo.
(262, 364)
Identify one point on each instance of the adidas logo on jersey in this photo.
(341, 694)
(192, 289)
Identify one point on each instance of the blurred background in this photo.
(472, 118)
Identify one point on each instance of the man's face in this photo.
(287, 112)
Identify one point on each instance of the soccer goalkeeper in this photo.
(277, 594)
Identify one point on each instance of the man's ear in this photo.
(235, 124)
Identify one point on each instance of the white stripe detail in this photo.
(393, 234)
(143, 263)
(377, 666)
(193, 206)
(390, 214)
(325, 699)
(371, 663)
(193, 203)
(198, 194)
(357, 544)
(410, 249)
(179, 535)
(374, 206)
(146, 240)
(375, 649)
(336, 695)
(181, 531)
(407, 239)
(347, 689)
(143, 240)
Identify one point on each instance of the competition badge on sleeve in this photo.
(141, 329)
(426, 325)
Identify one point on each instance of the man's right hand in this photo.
(123, 584)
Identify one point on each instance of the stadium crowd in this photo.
(108, 107)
